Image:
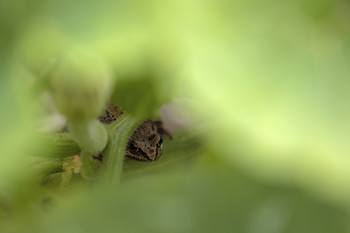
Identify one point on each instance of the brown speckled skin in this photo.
(110, 114)
(145, 144)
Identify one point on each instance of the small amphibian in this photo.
(111, 113)
(145, 144)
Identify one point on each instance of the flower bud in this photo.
(91, 136)
(81, 84)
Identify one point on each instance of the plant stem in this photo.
(119, 133)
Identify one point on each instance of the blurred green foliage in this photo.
(266, 84)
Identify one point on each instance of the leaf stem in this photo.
(119, 133)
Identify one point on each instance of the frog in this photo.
(146, 143)
(110, 114)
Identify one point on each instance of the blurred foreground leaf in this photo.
(207, 199)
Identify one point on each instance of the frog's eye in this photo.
(160, 141)
(132, 147)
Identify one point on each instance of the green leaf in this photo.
(56, 145)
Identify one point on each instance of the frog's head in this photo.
(146, 143)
